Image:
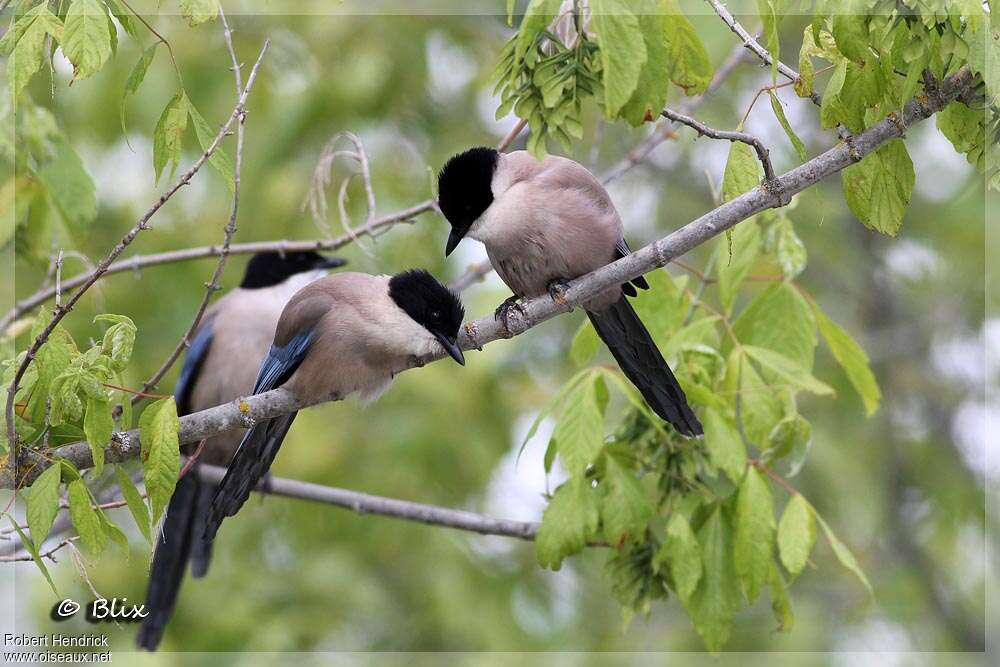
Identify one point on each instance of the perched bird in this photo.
(349, 333)
(545, 222)
(232, 339)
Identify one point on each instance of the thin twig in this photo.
(666, 130)
(474, 274)
(142, 224)
(512, 135)
(363, 503)
(138, 262)
(59, 263)
(742, 137)
(45, 554)
(212, 286)
(476, 334)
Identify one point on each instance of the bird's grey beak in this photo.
(453, 240)
(330, 262)
(450, 346)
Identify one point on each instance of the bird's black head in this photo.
(266, 269)
(432, 305)
(464, 190)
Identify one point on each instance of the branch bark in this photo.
(704, 130)
(478, 333)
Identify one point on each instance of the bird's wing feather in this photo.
(622, 250)
(193, 361)
(261, 443)
(282, 361)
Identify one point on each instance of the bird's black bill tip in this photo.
(330, 262)
(450, 346)
(453, 240)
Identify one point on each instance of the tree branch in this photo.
(212, 286)
(742, 137)
(102, 268)
(478, 333)
(363, 503)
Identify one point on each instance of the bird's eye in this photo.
(436, 314)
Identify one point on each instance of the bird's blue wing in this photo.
(260, 445)
(281, 361)
(193, 361)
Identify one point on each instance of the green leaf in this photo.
(123, 15)
(623, 52)
(569, 521)
(781, 605)
(717, 597)
(725, 448)
(136, 506)
(779, 319)
(43, 503)
(754, 540)
(168, 134)
(585, 344)
(737, 252)
(769, 18)
(796, 534)
(852, 359)
(832, 110)
(681, 552)
(158, 427)
(791, 251)
(760, 408)
(93, 539)
(625, 509)
(788, 369)
(662, 307)
(98, 426)
(579, 434)
(650, 94)
(844, 555)
(86, 41)
(689, 65)
(742, 173)
(25, 42)
(878, 188)
(218, 159)
(33, 550)
(779, 113)
(850, 30)
(964, 128)
(70, 187)
(135, 79)
(119, 339)
(199, 11)
(537, 17)
(114, 532)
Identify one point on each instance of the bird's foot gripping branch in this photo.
(694, 518)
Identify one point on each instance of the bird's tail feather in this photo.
(173, 550)
(201, 549)
(639, 358)
(252, 461)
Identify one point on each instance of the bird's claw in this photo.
(557, 290)
(502, 313)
